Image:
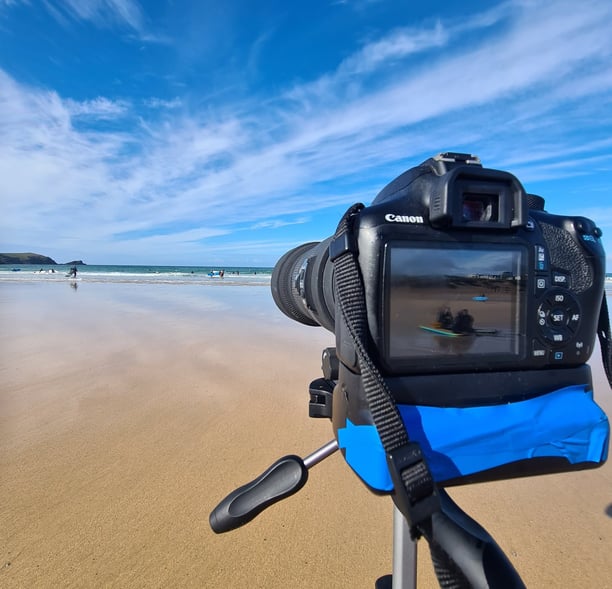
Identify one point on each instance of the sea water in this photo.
(239, 276)
(204, 275)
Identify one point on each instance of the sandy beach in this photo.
(127, 412)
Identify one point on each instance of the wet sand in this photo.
(128, 411)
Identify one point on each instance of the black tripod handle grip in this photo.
(284, 478)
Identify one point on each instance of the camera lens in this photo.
(302, 284)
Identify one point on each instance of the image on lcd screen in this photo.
(450, 301)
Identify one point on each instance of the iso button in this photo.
(557, 298)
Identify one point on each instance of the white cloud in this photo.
(396, 46)
(276, 223)
(100, 107)
(105, 12)
(176, 102)
(126, 15)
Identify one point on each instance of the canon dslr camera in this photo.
(474, 293)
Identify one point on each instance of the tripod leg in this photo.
(404, 557)
(404, 553)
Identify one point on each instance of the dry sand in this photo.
(128, 411)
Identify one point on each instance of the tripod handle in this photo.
(284, 478)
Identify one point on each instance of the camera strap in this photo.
(415, 492)
(603, 332)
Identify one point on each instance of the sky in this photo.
(226, 133)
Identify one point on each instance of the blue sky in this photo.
(198, 132)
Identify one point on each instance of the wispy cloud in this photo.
(396, 46)
(123, 15)
(276, 223)
(100, 107)
(176, 102)
(102, 13)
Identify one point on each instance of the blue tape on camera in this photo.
(465, 441)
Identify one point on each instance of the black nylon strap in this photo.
(351, 297)
(605, 339)
(415, 490)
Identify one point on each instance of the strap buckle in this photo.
(415, 493)
(343, 241)
(340, 245)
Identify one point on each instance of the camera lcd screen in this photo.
(450, 300)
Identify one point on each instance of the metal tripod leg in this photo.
(404, 557)
(404, 553)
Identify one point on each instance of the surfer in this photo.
(445, 318)
(72, 273)
(464, 322)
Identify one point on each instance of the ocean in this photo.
(205, 275)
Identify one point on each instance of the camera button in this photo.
(558, 356)
(557, 317)
(538, 351)
(541, 284)
(543, 311)
(557, 297)
(541, 259)
(560, 279)
(573, 317)
(557, 337)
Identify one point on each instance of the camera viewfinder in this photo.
(482, 208)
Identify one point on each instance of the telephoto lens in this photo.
(302, 285)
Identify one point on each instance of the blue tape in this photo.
(464, 441)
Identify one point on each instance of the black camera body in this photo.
(474, 294)
(451, 235)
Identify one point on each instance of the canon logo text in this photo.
(403, 218)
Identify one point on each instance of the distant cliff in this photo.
(27, 258)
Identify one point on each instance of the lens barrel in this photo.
(302, 285)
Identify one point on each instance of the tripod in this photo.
(463, 553)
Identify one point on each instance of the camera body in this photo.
(523, 287)
(474, 293)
